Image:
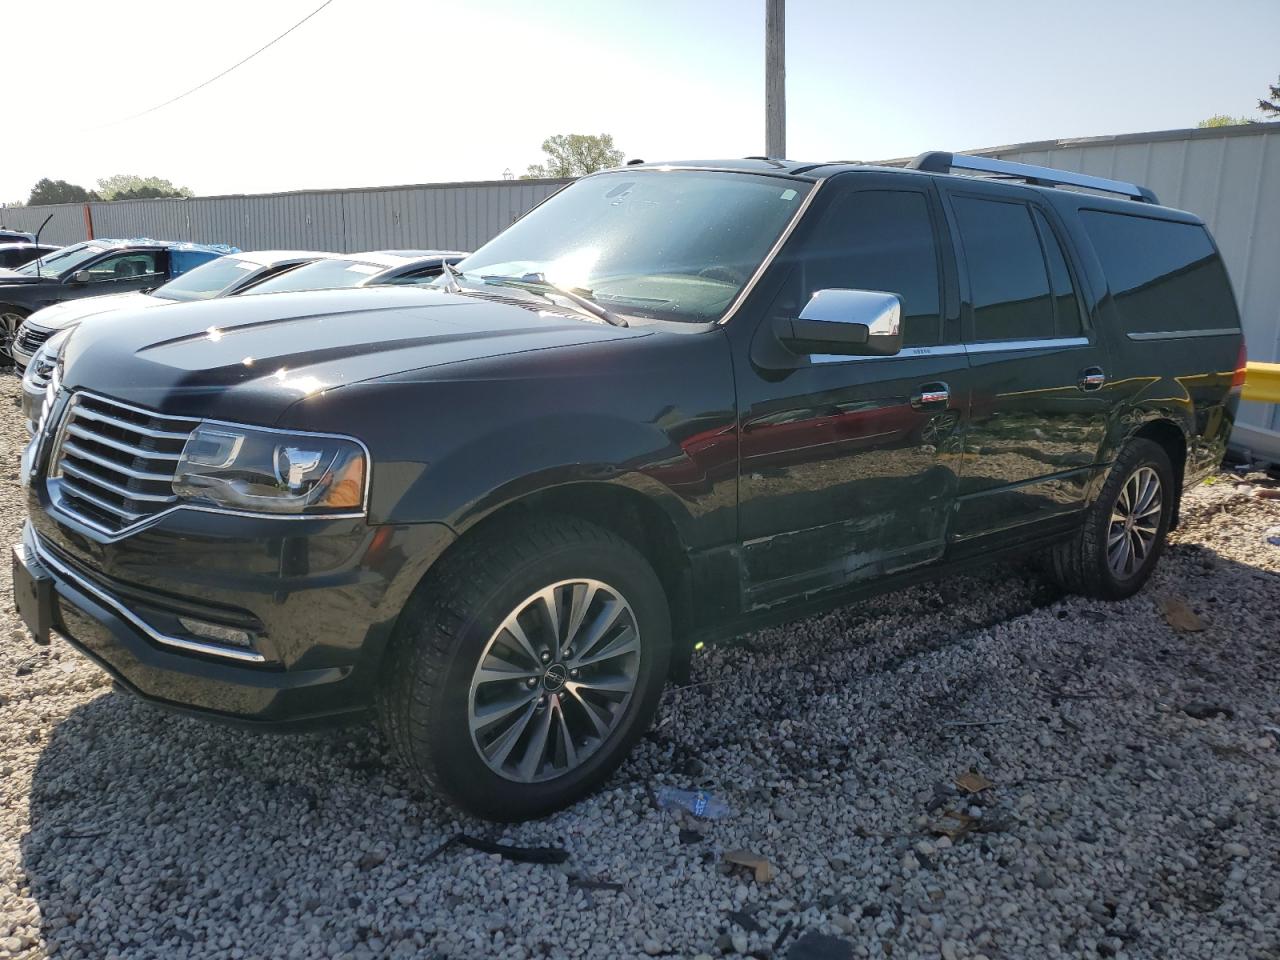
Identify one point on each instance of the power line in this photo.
(219, 76)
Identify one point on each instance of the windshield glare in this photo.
(671, 245)
(62, 261)
(207, 281)
(322, 275)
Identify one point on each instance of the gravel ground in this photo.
(1133, 807)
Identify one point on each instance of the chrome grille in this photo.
(113, 464)
(30, 338)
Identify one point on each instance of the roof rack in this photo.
(938, 161)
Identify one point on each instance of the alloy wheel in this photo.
(9, 323)
(1135, 523)
(554, 680)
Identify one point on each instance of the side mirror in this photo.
(81, 276)
(858, 323)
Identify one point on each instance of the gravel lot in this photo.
(1134, 809)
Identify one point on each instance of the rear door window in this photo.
(1008, 277)
(1066, 305)
(1164, 276)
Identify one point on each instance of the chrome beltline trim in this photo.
(960, 349)
(1004, 346)
(192, 646)
(907, 353)
(1186, 334)
(773, 251)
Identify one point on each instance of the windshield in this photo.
(672, 245)
(321, 275)
(208, 280)
(63, 260)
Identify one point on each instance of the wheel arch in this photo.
(1170, 436)
(630, 513)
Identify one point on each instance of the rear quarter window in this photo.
(1165, 276)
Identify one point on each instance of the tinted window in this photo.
(1007, 277)
(1163, 275)
(877, 240)
(126, 266)
(1066, 306)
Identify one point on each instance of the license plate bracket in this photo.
(32, 593)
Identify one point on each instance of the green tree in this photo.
(128, 186)
(575, 155)
(1222, 120)
(58, 191)
(1270, 108)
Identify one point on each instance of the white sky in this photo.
(376, 92)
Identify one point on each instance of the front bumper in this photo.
(320, 599)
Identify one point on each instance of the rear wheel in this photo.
(525, 670)
(10, 319)
(1118, 545)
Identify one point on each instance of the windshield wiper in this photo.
(540, 280)
(451, 275)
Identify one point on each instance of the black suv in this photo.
(672, 403)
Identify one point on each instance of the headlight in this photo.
(42, 375)
(264, 471)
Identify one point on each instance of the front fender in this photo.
(655, 415)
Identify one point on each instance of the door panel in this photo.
(1033, 435)
(843, 478)
(1039, 405)
(848, 464)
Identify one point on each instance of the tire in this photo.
(10, 318)
(1094, 561)
(452, 724)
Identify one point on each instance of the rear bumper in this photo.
(318, 635)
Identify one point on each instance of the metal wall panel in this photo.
(456, 216)
(1230, 177)
(67, 225)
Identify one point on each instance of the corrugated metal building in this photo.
(451, 216)
(1230, 177)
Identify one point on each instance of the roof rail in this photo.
(937, 161)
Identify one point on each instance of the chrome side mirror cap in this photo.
(865, 323)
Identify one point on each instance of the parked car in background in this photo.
(365, 270)
(221, 277)
(17, 253)
(16, 236)
(92, 269)
(672, 403)
(39, 337)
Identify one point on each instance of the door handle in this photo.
(931, 395)
(1091, 378)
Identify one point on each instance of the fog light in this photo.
(216, 632)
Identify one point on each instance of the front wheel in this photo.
(10, 319)
(1116, 548)
(524, 671)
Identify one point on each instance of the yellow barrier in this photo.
(1262, 382)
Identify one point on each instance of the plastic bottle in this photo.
(701, 804)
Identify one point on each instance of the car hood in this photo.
(59, 316)
(249, 359)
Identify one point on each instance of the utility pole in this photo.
(775, 78)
